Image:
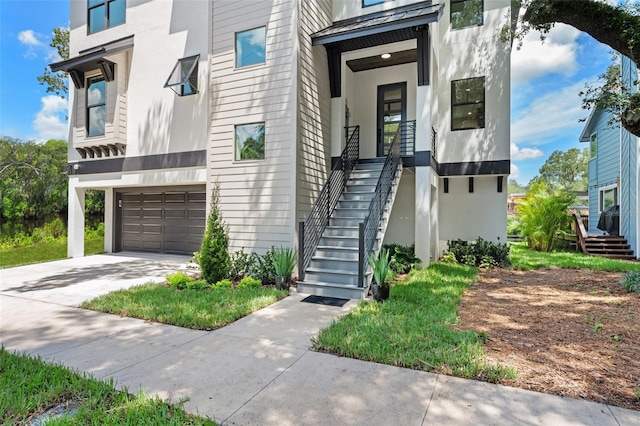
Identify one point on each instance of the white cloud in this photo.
(556, 55)
(49, 121)
(524, 153)
(515, 172)
(29, 37)
(549, 116)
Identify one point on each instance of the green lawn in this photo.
(414, 328)
(197, 309)
(525, 259)
(29, 386)
(44, 252)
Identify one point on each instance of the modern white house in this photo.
(328, 125)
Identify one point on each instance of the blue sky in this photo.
(546, 80)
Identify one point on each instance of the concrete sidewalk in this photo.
(259, 370)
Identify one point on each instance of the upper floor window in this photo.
(184, 77)
(249, 141)
(251, 46)
(96, 101)
(366, 3)
(467, 103)
(466, 13)
(105, 14)
(593, 145)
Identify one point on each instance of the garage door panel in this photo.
(163, 221)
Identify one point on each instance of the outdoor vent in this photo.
(183, 79)
(471, 184)
(446, 185)
(500, 180)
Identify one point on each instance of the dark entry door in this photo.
(392, 110)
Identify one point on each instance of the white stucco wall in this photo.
(402, 221)
(344, 9)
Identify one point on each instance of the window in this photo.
(466, 13)
(250, 141)
(96, 91)
(608, 197)
(184, 77)
(105, 14)
(251, 47)
(467, 103)
(593, 145)
(366, 3)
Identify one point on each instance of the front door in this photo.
(392, 110)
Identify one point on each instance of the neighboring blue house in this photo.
(614, 167)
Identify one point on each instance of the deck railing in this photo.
(368, 229)
(311, 229)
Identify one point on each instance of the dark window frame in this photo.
(479, 24)
(375, 4)
(482, 102)
(89, 107)
(190, 77)
(107, 6)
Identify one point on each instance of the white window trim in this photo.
(591, 156)
(235, 58)
(603, 189)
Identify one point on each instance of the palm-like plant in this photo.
(380, 267)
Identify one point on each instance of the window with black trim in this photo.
(251, 47)
(593, 145)
(608, 197)
(466, 13)
(96, 105)
(249, 141)
(103, 14)
(467, 103)
(184, 77)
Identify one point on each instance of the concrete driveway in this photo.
(70, 282)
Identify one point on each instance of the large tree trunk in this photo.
(610, 25)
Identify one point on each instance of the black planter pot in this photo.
(379, 293)
(283, 283)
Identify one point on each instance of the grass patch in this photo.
(414, 328)
(29, 387)
(524, 259)
(198, 309)
(45, 252)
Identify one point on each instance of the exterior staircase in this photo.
(614, 247)
(333, 270)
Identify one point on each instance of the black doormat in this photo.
(322, 300)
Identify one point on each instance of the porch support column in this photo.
(75, 229)
(337, 126)
(108, 220)
(422, 36)
(426, 230)
(334, 58)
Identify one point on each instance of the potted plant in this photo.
(380, 266)
(284, 260)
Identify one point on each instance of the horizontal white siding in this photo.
(257, 197)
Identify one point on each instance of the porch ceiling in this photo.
(373, 62)
(379, 28)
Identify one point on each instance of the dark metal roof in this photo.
(88, 58)
(379, 28)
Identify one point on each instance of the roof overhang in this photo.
(585, 136)
(92, 59)
(379, 28)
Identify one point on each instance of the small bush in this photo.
(449, 257)
(514, 226)
(249, 282)
(631, 282)
(214, 255)
(262, 267)
(197, 285)
(178, 280)
(240, 264)
(402, 258)
(481, 253)
(284, 260)
(223, 284)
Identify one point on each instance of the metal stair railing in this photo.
(368, 229)
(311, 229)
(407, 137)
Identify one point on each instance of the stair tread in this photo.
(327, 284)
(338, 248)
(331, 258)
(331, 271)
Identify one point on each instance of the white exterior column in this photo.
(423, 213)
(108, 220)
(75, 243)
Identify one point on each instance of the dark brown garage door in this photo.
(163, 220)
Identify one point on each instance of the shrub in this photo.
(197, 285)
(97, 232)
(262, 267)
(284, 260)
(226, 283)
(631, 282)
(214, 255)
(402, 259)
(178, 280)
(544, 215)
(481, 253)
(380, 266)
(249, 282)
(239, 264)
(514, 226)
(449, 257)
